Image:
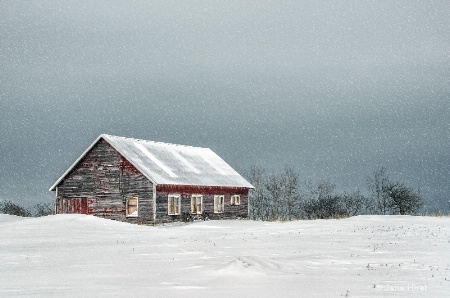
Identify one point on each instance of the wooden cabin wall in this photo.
(135, 184)
(208, 193)
(101, 179)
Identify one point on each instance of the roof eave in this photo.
(249, 186)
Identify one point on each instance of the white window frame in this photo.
(173, 197)
(216, 204)
(235, 200)
(194, 200)
(135, 213)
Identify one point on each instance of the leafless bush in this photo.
(392, 197)
(284, 197)
(8, 207)
(43, 209)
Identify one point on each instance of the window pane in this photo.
(199, 205)
(171, 205)
(235, 200)
(196, 204)
(132, 204)
(218, 204)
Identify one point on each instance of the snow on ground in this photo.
(364, 256)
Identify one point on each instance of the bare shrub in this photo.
(11, 208)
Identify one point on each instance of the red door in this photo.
(78, 205)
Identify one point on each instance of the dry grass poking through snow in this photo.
(364, 256)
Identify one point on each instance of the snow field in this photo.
(363, 256)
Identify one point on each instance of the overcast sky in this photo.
(334, 89)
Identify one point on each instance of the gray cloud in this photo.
(334, 89)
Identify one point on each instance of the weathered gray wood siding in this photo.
(208, 193)
(136, 184)
(102, 179)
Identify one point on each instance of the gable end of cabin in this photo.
(103, 183)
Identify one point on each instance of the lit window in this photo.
(174, 203)
(196, 204)
(132, 206)
(218, 204)
(236, 200)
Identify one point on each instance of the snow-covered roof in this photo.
(164, 163)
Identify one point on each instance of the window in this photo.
(132, 206)
(196, 204)
(218, 204)
(236, 200)
(174, 203)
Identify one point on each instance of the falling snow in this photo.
(334, 90)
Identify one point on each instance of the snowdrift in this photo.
(370, 256)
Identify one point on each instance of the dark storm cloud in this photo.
(334, 89)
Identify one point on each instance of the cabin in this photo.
(148, 182)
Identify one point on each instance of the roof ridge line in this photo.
(154, 142)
